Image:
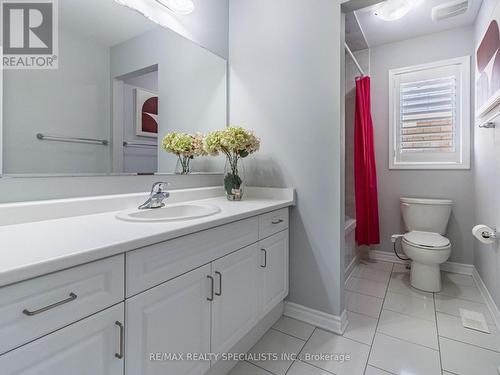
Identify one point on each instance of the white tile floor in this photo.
(393, 329)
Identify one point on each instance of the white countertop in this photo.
(33, 249)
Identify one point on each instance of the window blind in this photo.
(428, 115)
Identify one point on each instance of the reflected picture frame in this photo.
(488, 67)
(146, 110)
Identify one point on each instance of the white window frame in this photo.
(464, 115)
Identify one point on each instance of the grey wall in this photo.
(393, 184)
(41, 188)
(192, 87)
(138, 159)
(487, 180)
(208, 26)
(285, 83)
(72, 101)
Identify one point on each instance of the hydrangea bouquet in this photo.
(236, 143)
(185, 146)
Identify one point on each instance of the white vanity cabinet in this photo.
(236, 308)
(273, 273)
(171, 318)
(144, 312)
(93, 346)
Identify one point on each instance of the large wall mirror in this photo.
(122, 83)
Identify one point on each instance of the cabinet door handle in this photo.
(277, 222)
(211, 298)
(265, 258)
(72, 297)
(219, 293)
(119, 355)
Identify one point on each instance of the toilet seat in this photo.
(426, 240)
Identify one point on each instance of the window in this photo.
(430, 116)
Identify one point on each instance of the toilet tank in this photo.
(427, 215)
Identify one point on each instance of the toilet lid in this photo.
(427, 239)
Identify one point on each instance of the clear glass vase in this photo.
(234, 179)
(183, 165)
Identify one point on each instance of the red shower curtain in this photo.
(365, 172)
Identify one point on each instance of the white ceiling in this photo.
(102, 20)
(416, 23)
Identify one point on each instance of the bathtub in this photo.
(350, 245)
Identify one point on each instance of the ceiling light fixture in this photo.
(182, 7)
(392, 10)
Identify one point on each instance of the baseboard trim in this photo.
(462, 268)
(333, 323)
(385, 256)
(350, 268)
(487, 296)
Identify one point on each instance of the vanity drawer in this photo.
(273, 222)
(35, 307)
(153, 265)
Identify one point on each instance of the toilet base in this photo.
(426, 277)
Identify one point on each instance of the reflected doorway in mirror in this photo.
(146, 113)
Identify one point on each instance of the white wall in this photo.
(393, 184)
(285, 83)
(487, 181)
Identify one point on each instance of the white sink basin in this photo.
(174, 212)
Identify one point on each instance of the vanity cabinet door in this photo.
(236, 305)
(172, 318)
(273, 270)
(89, 347)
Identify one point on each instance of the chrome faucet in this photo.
(157, 196)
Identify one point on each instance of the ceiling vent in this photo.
(448, 10)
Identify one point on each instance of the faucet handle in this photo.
(159, 187)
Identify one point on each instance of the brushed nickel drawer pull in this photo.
(277, 222)
(119, 355)
(265, 258)
(72, 297)
(219, 293)
(211, 298)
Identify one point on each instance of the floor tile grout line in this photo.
(298, 355)
(468, 343)
(288, 334)
(458, 316)
(376, 326)
(408, 342)
(381, 369)
(364, 294)
(301, 349)
(253, 364)
(364, 315)
(411, 316)
(310, 364)
(437, 332)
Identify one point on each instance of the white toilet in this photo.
(426, 221)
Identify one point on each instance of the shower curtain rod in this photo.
(354, 59)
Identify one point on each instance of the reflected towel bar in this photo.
(489, 123)
(139, 144)
(44, 137)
